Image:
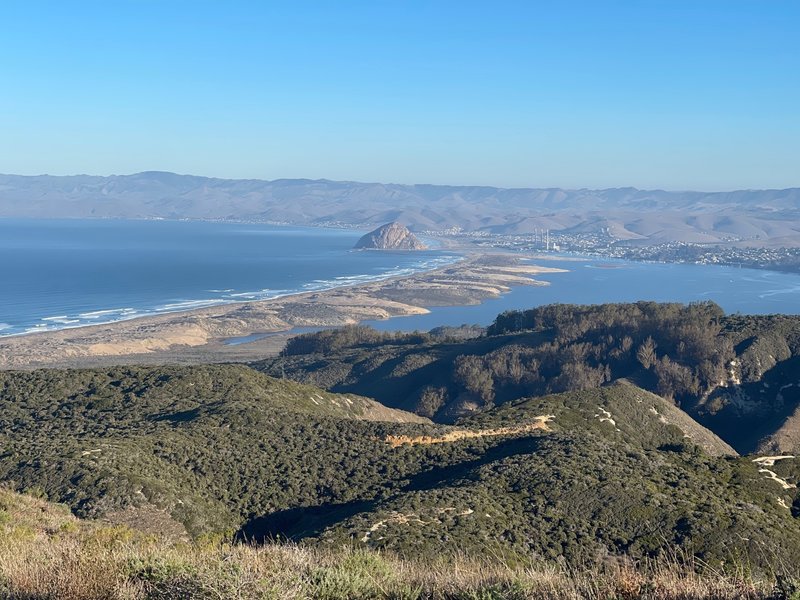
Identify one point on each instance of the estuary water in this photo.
(591, 281)
(68, 273)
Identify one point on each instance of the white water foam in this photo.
(778, 292)
(229, 296)
(98, 314)
(265, 294)
(61, 320)
(189, 305)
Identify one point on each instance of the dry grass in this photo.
(47, 553)
(111, 565)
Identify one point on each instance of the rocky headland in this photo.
(392, 236)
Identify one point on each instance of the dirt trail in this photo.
(606, 416)
(774, 477)
(393, 518)
(396, 441)
(769, 461)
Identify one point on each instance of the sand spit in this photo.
(201, 332)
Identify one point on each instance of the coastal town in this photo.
(736, 252)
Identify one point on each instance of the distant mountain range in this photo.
(762, 217)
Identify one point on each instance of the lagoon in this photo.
(593, 280)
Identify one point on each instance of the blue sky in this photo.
(700, 94)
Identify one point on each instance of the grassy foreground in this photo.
(45, 552)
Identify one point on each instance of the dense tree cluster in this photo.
(332, 340)
(706, 362)
(577, 347)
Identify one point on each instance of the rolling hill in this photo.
(45, 552)
(646, 216)
(738, 375)
(590, 475)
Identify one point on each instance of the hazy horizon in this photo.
(411, 184)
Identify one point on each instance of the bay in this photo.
(68, 273)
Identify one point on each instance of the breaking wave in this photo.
(217, 297)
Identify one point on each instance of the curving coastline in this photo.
(215, 298)
(198, 335)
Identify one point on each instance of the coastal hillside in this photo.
(194, 449)
(45, 553)
(649, 216)
(608, 475)
(188, 452)
(738, 375)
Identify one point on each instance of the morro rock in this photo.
(392, 236)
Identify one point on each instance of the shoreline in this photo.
(199, 335)
(119, 311)
(132, 314)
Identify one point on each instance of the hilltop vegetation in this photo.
(190, 452)
(208, 447)
(612, 477)
(724, 370)
(565, 434)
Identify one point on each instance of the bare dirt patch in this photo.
(540, 423)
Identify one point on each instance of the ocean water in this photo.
(68, 273)
(590, 281)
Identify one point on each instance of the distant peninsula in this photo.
(392, 236)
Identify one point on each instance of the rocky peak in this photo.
(392, 236)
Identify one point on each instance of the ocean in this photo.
(68, 273)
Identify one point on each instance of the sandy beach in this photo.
(200, 335)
